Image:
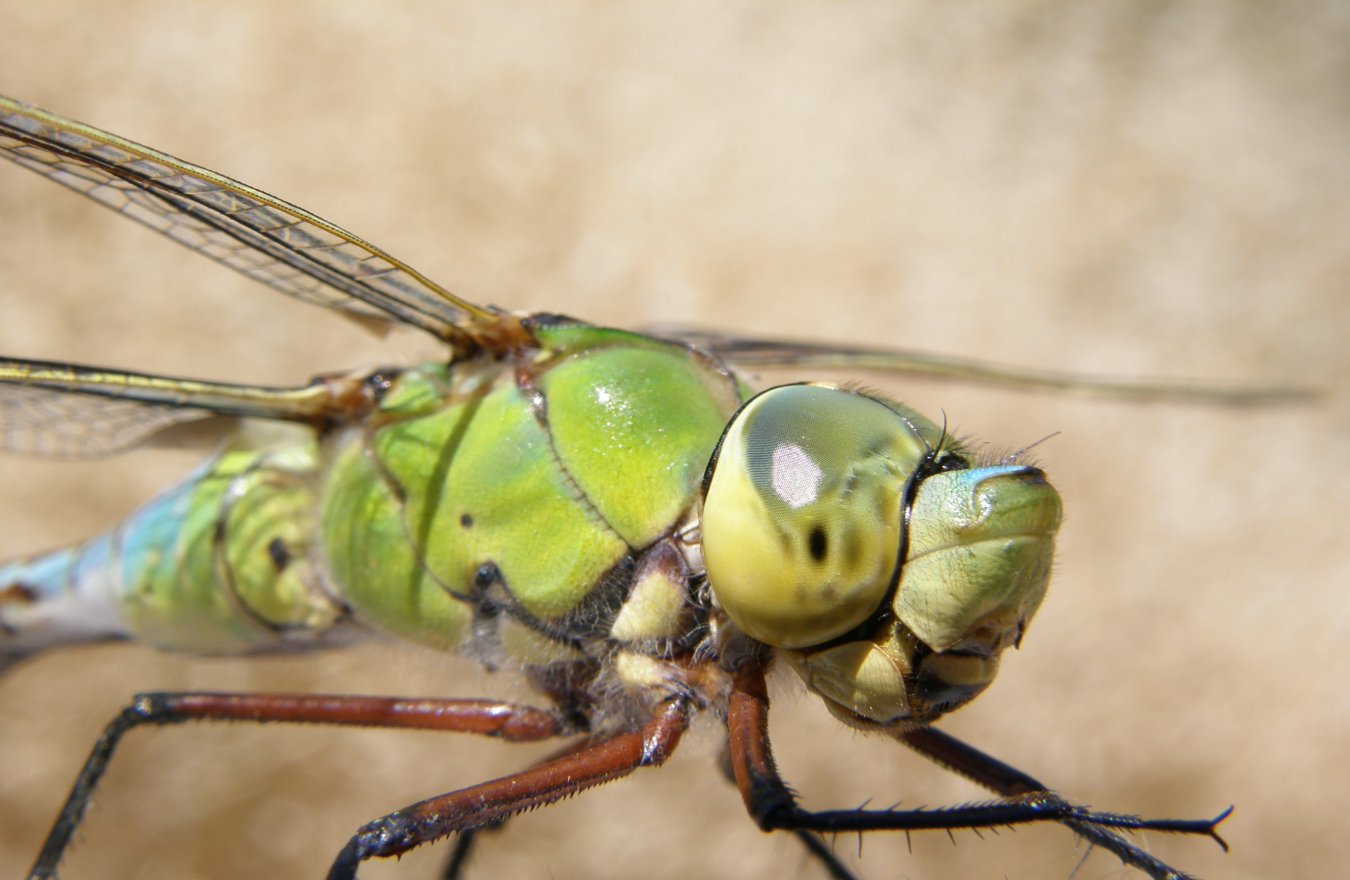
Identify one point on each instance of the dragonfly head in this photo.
(849, 532)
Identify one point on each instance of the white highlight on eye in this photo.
(796, 478)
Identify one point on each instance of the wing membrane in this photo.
(265, 238)
(774, 353)
(67, 410)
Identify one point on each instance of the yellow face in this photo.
(846, 531)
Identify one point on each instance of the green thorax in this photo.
(518, 497)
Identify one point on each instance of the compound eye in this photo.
(801, 515)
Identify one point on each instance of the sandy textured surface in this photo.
(1123, 188)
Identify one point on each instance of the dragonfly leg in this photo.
(774, 806)
(466, 841)
(490, 802)
(815, 845)
(1010, 782)
(487, 717)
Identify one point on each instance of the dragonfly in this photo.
(623, 519)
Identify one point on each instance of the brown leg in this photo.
(466, 840)
(773, 805)
(486, 717)
(491, 802)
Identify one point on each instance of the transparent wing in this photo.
(775, 353)
(269, 240)
(67, 410)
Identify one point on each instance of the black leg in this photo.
(1010, 782)
(464, 844)
(774, 806)
(815, 845)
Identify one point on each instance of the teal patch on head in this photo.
(980, 547)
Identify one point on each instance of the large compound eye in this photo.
(801, 517)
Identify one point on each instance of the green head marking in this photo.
(980, 546)
(842, 529)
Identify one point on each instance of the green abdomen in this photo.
(520, 492)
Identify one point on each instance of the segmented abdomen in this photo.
(217, 564)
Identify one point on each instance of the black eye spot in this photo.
(466, 521)
(280, 554)
(817, 544)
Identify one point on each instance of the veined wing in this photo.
(265, 238)
(63, 409)
(775, 353)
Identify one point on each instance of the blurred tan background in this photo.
(1149, 188)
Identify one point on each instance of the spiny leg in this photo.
(466, 841)
(773, 805)
(486, 717)
(1010, 782)
(490, 802)
(817, 848)
(815, 845)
